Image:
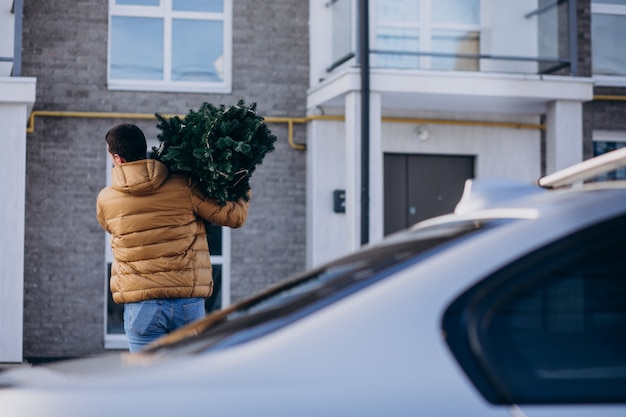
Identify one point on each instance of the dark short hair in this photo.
(128, 141)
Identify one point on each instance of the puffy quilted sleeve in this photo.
(233, 214)
(99, 212)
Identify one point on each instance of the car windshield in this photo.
(299, 297)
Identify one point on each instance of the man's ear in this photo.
(118, 159)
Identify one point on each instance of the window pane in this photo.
(456, 43)
(214, 238)
(214, 301)
(197, 50)
(136, 48)
(138, 2)
(549, 328)
(398, 10)
(608, 33)
(391, 39)
(115, 312)
(213, 6)
(563, 335)
(456, 11)
(601, 147)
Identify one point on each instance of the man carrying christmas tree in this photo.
(161, 270)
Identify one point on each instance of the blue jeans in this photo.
(146, 321)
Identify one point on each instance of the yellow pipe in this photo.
(289, 120)
(609, 98)
(90, 115)
(147, 116)
(510, 125)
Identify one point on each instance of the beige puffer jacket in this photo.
(158, 237)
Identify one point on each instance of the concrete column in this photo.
(377, 215)
(353, 169)
(17, 96)
(564, 135)
(326, 229)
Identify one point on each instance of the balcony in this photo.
(513, 36)
(510, 56)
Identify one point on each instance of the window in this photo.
(607, 141)
(219, 248)
(608, 29)
(427, 34)
(170, 45)
(549, 328)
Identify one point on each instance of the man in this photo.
(161, 270)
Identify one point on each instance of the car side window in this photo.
(550, 328)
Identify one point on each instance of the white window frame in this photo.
(116, 341)
(609, 136)
(164, 11)
(612, 9)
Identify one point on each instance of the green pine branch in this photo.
(219, 147)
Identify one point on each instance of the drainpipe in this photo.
(17, 40)
(364, 52)
(573, 33)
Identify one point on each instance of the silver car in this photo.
(514, 305)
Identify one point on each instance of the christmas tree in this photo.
(219, 147)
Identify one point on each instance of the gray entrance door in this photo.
(418, 187)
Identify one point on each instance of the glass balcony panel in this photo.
(455, 43)
(397, 11)
(506, 36)
(397, 40)
(608, 54)
(342, 29)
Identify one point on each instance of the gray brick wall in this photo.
(65, 47)
(599, 114)
(64, 248)
(584, 37)
(584, 66)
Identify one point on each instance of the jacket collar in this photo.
(139, 177)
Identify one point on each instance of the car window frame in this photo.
(466, 332)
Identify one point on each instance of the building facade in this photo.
(368, 142)
(456, 89)
(94, 66)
